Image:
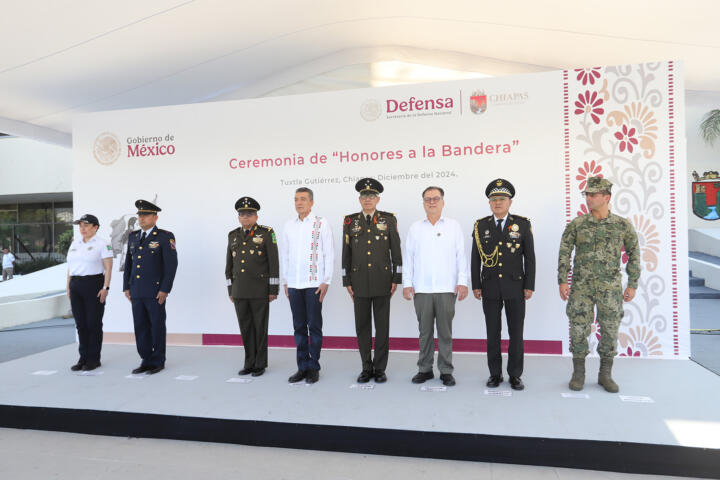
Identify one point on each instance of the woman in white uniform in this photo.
(88, 282)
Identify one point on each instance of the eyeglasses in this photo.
(432, 199)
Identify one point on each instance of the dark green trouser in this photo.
(365, 309)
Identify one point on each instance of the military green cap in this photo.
(598, 184)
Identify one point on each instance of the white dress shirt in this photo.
(86, 258)
(435, 260)
(502, 224)
(306, 252)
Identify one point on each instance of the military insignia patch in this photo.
(109, 248)
(382, 226)
(274, 240)
(154, 244)
(514, 227)
(172, 243)
(258, 240)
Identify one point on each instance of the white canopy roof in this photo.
(61, 58)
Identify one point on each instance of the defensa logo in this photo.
(106, 148)
(412, 107)
(413, 104)
(370, 110)
(478, 102)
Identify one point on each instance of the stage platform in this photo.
(665, 420)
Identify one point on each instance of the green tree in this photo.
(710, 126)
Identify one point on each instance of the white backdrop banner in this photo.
(545, 132)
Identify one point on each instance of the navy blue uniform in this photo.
(503, 267)
(150, 266)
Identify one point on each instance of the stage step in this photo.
(705, 267)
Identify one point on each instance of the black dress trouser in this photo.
(515, 314)
(88, 313)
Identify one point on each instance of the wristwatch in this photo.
(106, 288)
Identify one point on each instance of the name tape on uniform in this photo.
(238, 380)
(186, 378)
(574, 395)
(44, 372)
(425, 388)
(636, 399)
(367, 386)
(498, 393)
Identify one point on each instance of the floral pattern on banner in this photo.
(622, 145)
(639, 342)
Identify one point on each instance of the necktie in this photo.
(142, 237)
(367, 217)
(247, 232)
(499, 225)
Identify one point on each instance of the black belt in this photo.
(87, 277)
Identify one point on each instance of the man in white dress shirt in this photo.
(435, 276)
(306, 256)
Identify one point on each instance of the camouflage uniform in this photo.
(596, 277)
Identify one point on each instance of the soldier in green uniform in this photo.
(252, 273)
(372, 270)
(598, 238)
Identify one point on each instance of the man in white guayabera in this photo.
(306, 256)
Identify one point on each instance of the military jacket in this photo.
(598, 250)
(150, 265)
(251, 264)
(371, 256)
(503, 264)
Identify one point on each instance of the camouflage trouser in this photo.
(584, 296)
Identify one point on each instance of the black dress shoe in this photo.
(364, 376)
(141, 369)
(90, 366)
(77, 366)
(380, 377)
(312, 376)
(246, 371)
(494, 381)
(157, 369)
(516, 383)
(447, 379)
(257, 372)
(297, 376)
(422, 377)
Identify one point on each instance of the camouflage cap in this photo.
(598, 184)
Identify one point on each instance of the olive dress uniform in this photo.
(371, 263)
(252, 273)
(503, 267)
(150, 266)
